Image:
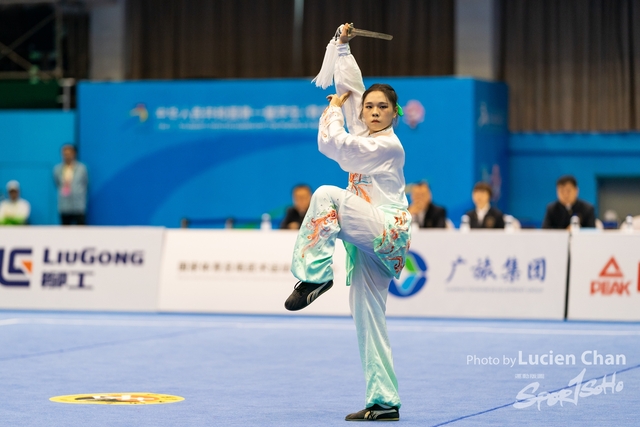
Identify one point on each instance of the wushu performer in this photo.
(370, 217)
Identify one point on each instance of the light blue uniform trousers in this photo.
(337, 213)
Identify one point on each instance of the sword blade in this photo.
(372, 34)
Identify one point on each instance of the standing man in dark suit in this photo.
(559, 213)
(484, 215)
(425, 213)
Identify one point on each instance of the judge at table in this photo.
(559, 213)
(484, 215)
(424, 213)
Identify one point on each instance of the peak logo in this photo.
(413, 277)
(15, 267)
(611, 280)
(611, 269)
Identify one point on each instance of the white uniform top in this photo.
(375, 162)
(19, 210)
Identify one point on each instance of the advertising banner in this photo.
(605, 276)
(489, 274)
(80, 268)
(483, 274)
(239, 271)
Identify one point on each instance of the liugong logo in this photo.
(18, 264)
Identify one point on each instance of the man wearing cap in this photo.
(71, 180)
(14, 211)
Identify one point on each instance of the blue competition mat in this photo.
(305, 371)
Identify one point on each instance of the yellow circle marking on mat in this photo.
(134, 398)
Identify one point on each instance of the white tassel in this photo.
(324, 79)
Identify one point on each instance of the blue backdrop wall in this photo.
(162, 151)
(141, 174)
(30, 143)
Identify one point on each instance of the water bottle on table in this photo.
(575, 224)
(464, 224)
(508, 223)
(265, 225)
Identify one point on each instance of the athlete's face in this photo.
(377, 111)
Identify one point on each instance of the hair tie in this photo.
(400, 112)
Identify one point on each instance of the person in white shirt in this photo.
(370, 217)
(14, 211)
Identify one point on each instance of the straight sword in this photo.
(367, 33)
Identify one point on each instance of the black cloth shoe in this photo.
(304, 293)
(375, 413)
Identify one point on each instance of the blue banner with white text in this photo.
(162, 151)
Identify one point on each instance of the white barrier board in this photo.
(483, 274)
(605, 276)
(239, 271)
(496, 275)
(80, 268)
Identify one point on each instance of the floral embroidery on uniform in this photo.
(401, 220)
(391, 244)
(383, 244)
(320, 227)
(357, 182)
(399, 263)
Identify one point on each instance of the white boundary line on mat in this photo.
(307, 325)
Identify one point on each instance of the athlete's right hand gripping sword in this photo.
(324, 78)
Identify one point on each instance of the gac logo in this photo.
(18, 264)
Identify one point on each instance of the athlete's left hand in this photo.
(336, 100)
